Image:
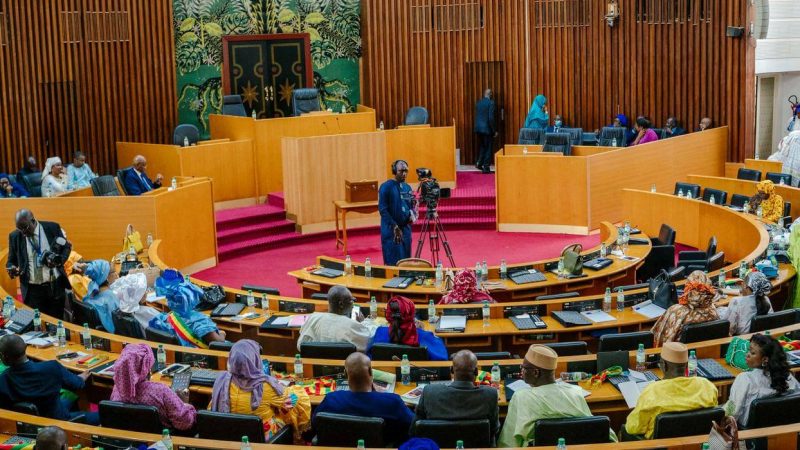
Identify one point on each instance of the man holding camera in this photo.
(36, 254)
(396, 209)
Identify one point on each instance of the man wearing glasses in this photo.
(36, 254)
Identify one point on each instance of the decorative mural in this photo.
(334, 27)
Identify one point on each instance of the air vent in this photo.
(460, 17)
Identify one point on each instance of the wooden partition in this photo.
(424, 146)
(732, 168)
(748, 188)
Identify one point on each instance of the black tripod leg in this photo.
(445, 243)
(425, 229)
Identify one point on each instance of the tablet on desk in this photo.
(452, 324)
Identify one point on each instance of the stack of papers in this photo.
(648, 309)
(281, 321)
(632, 389)
(598, 315)
(296, 321)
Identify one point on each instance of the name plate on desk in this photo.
(361, 191)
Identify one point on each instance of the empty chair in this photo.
(625, 341)
(33, 183)
(185, 130)
(417, 115)
(474, 433)
(327, 350)
(261, 289)
(121, 174)
(686, 423)
(690, 188)
(319, 296)
(386, 352)
(787, 212)
(698, 260)
(558, 143)
(748, 174)
(706, 331)
(305, 100)
(568, 348)
(152, 334)
(716, 262)
(777, 177)
(232, 106)
(661, 256)
(125, 416)
(229, 427)
(575, 133)
(492, 356)
(738, 200)
(126, 325)
(530, 136)
(666, 236)
(774, 411)
(223, 346)
(612, 137)
(104, 186)
(773, 320)
(593, 430)
(720, 197)
(341, 430)
(415, 262)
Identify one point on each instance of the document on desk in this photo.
(281, 321)
(383, 381)
(298, 320)
(648, 309)
(452, 323)
(598, 316)
(631, 390)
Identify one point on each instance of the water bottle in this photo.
(743, 269)
(405, 371)
(781, 181)
(485, 310)
(367, 268)
(575, 376)
(524, 150)
(503, 270)
(721, 279)
(348, 265)
(161, 357)
(264, 302)
(653, 188)
(37, 320)
(344, 109)
(746, 206)
(61, 334)
(759, 212)
(254, 115)
(756, 155)
(692, 368)
(174, 183)
(380, 126)
(431, 311)
(298, 367)
(607, 300)
(373, 308)
(689, 194)
(459, 445)
(640, 358)
(478, 270)
(7, 307)
(614, 141)
(360, 444)
(712, 200)
(131, 253)
(166, 439)
(620, 300)
(86, 337)
(186, 141)
(246, 443)
(680, 192)
(627, 227)
(496, 373)
(439, 274)
(149, 240)
(560, 268)
(603, 250)
(251, 301)
(562, 444)
(484, 271)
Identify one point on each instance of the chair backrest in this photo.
(83, 313)
(261, 289)
(232, 106)
(341, 430)
(530, 136)
(491, 356)
(125, 416)
(305, 100)
(716, 262)
(687, 187)
(185, 130)
(152, 334)
(229, 427)
(474, 433)
(776, 178)
(326, 350)
(121, 173)
(773, 320)
(625, 341)
(104, 186)
(739, 199)
(748, 174)
(384, 352)
(25, 408)
(126, 325)
(686, 423)
(223, 346)
(568, 348)
(696, 332)
(666, 235)
(711, 249)
(774, 411)
(558, 143)
(659, 132)
(576, 134)
(417, 115)
(415, 262)
(609, 134)
(720, 197)
(33, 183)
(593, 430)
(787, 208)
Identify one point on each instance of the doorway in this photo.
(479, 77)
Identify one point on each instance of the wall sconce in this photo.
(612, 12)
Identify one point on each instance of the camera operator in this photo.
(396, 207)
(36, 254)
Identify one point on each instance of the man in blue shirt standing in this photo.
(395, 207)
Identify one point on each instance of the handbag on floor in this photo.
(725, 435)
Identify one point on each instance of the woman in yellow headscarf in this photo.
(770, 202)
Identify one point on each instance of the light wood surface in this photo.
(341, 208)
(748, 188)
(433, 148)
(764, 166)
(577, 150)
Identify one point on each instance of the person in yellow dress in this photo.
(74, 267)
(770, 202)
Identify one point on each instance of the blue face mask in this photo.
(559, 124)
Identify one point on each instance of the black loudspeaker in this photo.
(734, 32)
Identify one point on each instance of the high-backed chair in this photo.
(185, 130)
(531, 136)
(417, 115)
(33, 183)
(229, 427)
(698, 260)
(572, 348)
(474, 433)
(151, 334)
(126, 325)
(774, 411)
(776, 178)
(692, 188)
(661, 256)
(625, 341)
(492, 356)
(659, 132)
(738, 200)
(666, 236)
(716, 262)
(748, 174)
(774, 320)
(232, 106)
(305, 100)
(787, 212)
(130, 417)
(706, 331)
(327, 350)
(385, 352)
(104, 186)
(720, 197)
(415, 262)
(593, 430)
(83, 313)
(223, 346)
(609, 135)
(121, 174)
(687, 423)
(558, 143)
(576, 134)
(341, 430)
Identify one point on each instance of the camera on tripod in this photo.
(429, 189)
(430, 192)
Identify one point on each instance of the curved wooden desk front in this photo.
(746, 187)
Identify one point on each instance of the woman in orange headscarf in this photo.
(695, 305)
(770, 202)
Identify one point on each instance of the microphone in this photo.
(422, 369)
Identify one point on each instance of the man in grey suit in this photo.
(486, 129)
(460, 399)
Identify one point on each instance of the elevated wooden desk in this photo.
(762, 165)
(343, 207)
(748, 188)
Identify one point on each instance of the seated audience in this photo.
(74, 267)
(644, 133)
(28, 168)
(752, 302)
(789, 154)
(794, 122)
(53, 182)
(771, 203)
(132, 385)
(769, 376)
(538, 117)
(336, 325)
(245, 389)
(461, 399)
(402, 329)
(51, 438)
(362, 400)
(705, 124)
(99, 296)
(546, 399)
(465, 290)
(673, 128)
(674, 393)
(79, 174)
(695, 305)
(9, 189)
(39, 383)
(620, 121)
(558, 124)
(131, 293)
(136, 180)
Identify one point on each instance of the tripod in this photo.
(432, 227)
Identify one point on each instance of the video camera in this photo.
(52, 258)
(429, 189)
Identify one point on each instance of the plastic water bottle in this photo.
(560, 268)
(254, 114)
(620, 300)
(264, 302)
(431, 311)
(712, 200)
(640, 358)
(653, 188)
(721, 279)
(603, 250)
(161, 357)
(131, 253)
(524, 150)
(298, 367)
(781, 181)
(246, 443)
(478, 270)
(746, 206)
(614, 141)
(86, 337)
(692, 368)
(61, 334)
(743, 269)
(562, 444)
(174, 183)
(380, 126)
(251, 301)
(607, 300)
(760, 212)
(166, 439)
(367, 268)
(7, 308)
(37, 320)
(680, 192)
(405, 371)
(373, 308)
(185, 141)
(486, 312)
(503, 270)
(149, 240)
(496, 373)
(459, 445)
(439, 274)
(484, 271)
(689, 194)
(360, 445)
(575, 376)
(344, 109)
(348, 265)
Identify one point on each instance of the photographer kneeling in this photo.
(36, 254)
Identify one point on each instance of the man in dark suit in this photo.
(461, 399)
(136, 180)
(36, 254)
(486, 129)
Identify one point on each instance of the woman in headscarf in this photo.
(465, 290)
(403, 330)
(695, 305)
(538, 117)
(74, 267)
(52, 183)
(752, 302)
(132, 385)
(131, 291)
(789, 154)
(770, 202)
(245, 388)
(99, 296)
(9, 189)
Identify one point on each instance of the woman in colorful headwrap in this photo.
(53, 182)
(770, 202)
(132, 385)
(131, 291)
(9, 189)
(538, 117)
(695, 305)
(245, 388)
(789, 154)
(752, 302)
(99, 296)
(403, 330)
(465, 290)
(192, 328)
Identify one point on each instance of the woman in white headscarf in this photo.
(789, 154)
(131, 290)
(51, 178)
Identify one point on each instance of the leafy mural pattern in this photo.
(333, 25)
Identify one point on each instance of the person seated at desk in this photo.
(538, 117)
(402, 329)
(51, 438)
(9, 189)
(131, 291)
(99, 296)
(245, 389)
(695, 305)
(74, 267)
(769, 376)
(620, 121)
(39, 383)
(752, 302)
(461, 399)
(136, 180)
(361, 400)
(465, 290)
(336, 325)
(673, 128)
(28, 168)
(644, 132)
(79, 174)
(789, 154)
(132, 385)
(558, 124)
(705, 124)
(771, 203)
(674, 393)
(53, 180)
(546, 399)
